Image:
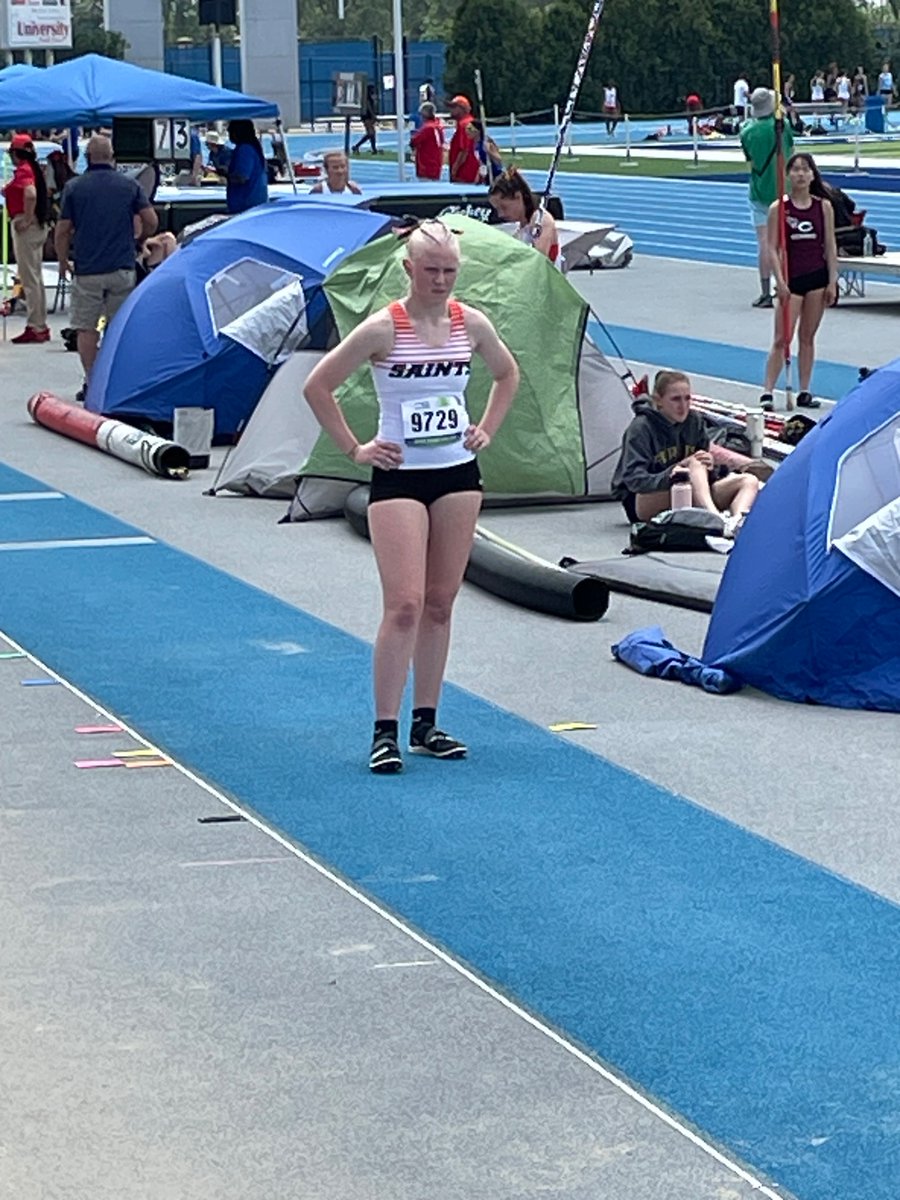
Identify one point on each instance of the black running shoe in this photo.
(429, 740)
(385, 758)
(806, 400)
(767, 402)
(763, 301)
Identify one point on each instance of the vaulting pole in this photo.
(785, 306)
(568, 114)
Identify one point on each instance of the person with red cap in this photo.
(28, 207)
(465, 165)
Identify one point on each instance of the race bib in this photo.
(434, 421)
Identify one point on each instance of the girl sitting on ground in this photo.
(665, 436)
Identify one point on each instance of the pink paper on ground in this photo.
(98, 728)
(86, 763)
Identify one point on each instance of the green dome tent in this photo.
(563, 433)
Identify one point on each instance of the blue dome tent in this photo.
(207, 326)
(809, 606)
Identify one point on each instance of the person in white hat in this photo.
(760, 146)
(219, 153)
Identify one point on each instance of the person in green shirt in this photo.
(760, 146)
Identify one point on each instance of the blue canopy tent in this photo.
(809, 605)
(17, 70)
(208, 325)
(92, 90)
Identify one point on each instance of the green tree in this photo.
(181, 20)
(659, 50)
(808, 42)
(500, 37)
(373, 18)
(89, 35)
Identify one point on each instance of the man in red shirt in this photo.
(465, 164)
(28, 208)
(428, 143)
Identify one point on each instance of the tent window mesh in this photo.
(868, 479)
(242, 286)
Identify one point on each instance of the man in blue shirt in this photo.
(103, 211)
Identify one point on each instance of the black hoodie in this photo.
(652, 446)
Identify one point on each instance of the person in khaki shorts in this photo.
(28, 209)
(102, 210)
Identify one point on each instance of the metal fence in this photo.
(318, 62)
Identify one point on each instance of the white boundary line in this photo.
(482, 984)
(79, 543)
(32, 496)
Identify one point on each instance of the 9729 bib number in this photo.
(437, 421)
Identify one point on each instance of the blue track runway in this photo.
(692, 219)
(746, 988)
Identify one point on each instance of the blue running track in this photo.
(699, 220)
(746, 988)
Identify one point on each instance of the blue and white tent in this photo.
(809, 606)
(207, 327)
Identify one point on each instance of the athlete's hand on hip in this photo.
(385, 455)
(476, 439)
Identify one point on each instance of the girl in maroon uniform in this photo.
(811, 281)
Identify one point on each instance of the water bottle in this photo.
(756, 429)
(868, 245)
(681, 494)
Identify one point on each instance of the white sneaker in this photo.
(733, 524)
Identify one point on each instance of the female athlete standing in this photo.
(811, 281)
(426, 487)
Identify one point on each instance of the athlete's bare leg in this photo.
(775, 361)
(399, 531)
(810, 320)
(453, 519)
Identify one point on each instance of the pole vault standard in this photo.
(568, 114)
(775, 24)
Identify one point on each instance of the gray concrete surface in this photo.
(230, 1031)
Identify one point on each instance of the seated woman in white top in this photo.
(337, 181)
(514, 201)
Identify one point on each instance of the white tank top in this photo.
(818, 92)
(610, 97)
(422, 392)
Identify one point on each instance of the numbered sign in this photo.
(162, 138)
(181, 138)
(348, 91)
(171, 139)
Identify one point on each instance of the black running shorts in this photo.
(427, 485)
(802, 285)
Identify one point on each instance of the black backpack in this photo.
(676, 529)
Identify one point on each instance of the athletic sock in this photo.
(424, 716)
(389, 729)
(765, 285)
